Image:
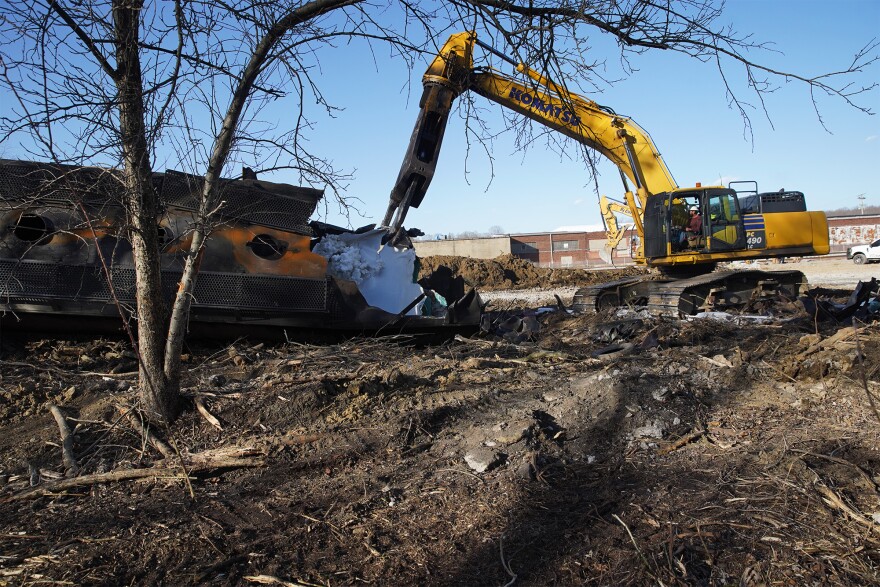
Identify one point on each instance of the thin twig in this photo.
(504, 564)
(786, 375)
(192, 493)
(635, 544)
(144, 429)
(839, 461)
(833, 499)
(206, 414)
(60, 371)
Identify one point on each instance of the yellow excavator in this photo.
(773, 225)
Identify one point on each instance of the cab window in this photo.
(722, 209)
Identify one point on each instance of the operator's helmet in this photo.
(694, 209)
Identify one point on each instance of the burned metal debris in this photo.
(514, 328)
(862, 303)
(617, 330)
(66, 261)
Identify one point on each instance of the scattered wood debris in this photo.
(707, 453)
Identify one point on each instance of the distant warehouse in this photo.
(564, 248)
(572, 248)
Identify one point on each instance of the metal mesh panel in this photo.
(266, 208)
(280, 206)
(27, 281)
(18, 180)
(181, 189)
(43, 182)
(783, 202)
(47, 281)
(258, 292)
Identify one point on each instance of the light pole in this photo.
(861, 198)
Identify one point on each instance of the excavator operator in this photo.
(694, 228)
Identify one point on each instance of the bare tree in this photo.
(118, 83)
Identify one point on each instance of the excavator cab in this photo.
(723, 222)
(670, 228)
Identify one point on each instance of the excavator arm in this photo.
(613, 231)
(452, 73)
(444, 80)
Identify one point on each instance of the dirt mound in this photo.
(509, 272)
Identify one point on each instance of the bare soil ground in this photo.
(593, 450)
(509, 272)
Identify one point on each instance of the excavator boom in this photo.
(617, 137)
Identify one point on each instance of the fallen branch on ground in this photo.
(70, 372)
(681, 442)
(271, 580)
(144, 428)
(96, 479)
(207, 415)
(291, 439)
(832, 499)
(225, 458)
(540, 356)
(481, 343)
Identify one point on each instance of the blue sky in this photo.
(679, 101)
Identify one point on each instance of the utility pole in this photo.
(861, 198)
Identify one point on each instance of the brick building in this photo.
(845, 231)
(569, 249)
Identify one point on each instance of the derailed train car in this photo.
(65, 261)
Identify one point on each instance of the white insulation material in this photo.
(384, 274)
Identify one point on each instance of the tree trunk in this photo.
(158, 398)
(219, 154)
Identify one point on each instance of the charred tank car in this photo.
(66, 263)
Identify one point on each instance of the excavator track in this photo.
(629, 291)
(682, 297)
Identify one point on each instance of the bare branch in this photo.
(90, 43)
